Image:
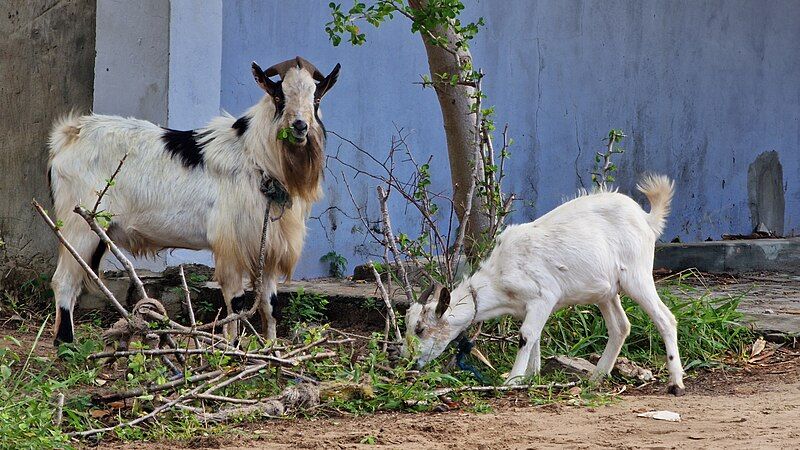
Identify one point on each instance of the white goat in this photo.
(198, 189)
(584, 252)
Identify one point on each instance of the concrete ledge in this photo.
(739, 256)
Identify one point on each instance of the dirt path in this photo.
(758, 408)
(769, 419)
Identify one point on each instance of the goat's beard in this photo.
(302, 164)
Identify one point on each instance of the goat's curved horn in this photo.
(301, 63)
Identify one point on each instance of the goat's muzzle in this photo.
(299, 129)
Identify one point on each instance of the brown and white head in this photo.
(296, 95)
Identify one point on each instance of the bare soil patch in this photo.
(756, 406)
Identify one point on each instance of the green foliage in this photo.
(436, 14)
(103, 219)
(285, 134)
(305, 307)
(337, 264)
(28, 389)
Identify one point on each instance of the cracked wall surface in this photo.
(46, 69)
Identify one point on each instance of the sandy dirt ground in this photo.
(755, 408)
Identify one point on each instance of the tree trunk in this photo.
(459, 125)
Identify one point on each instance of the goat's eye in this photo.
(419, 329)
(316, 101)
(277, 99)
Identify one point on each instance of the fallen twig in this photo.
(517, 387)
(90, 273)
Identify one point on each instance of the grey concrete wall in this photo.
(132, 64)
(701, 88)
(46, 69)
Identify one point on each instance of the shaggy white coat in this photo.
(586, 251)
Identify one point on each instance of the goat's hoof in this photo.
(676, 390)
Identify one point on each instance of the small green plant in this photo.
(368, 440)
(337, 264)
(305, 307)
(603, 172)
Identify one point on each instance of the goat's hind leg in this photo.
(69, 276)
(642, 290)
(618, 329)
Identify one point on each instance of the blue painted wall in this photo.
(701, 88)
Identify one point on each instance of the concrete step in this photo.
(732, 257)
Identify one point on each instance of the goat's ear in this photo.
(270, 87)
(444, 301)
(327, 83)
(426, 294)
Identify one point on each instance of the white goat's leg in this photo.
(618, 329)
(66, 286)
(643, 290)
(267, 308)
(68, 278)
(529, 334)
(233, 293)
(535, 361)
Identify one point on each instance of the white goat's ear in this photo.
(444, 301)
(272, 88)
(327, 83)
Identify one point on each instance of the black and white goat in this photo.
(584, 252)
(197, 189)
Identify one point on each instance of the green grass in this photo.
(29, 387)
(709, 332)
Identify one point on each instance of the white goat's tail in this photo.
(659, 190)
(65, 132)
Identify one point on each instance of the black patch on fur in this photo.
(273, 300)
(322, 125)
(97, 256)
(671, 357)
(238, 303)
(241, 125)
(522, 341)
(184, 145)
(64, 332)
(280, 100)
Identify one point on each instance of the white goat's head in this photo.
(296, 96)
(431, 322)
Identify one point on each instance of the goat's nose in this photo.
(300, 126)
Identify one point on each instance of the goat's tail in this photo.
(659, 190)
(65, 131)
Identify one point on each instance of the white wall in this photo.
(195, 60)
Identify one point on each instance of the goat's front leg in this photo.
(233, 294)
(267, 308)
(535, 361)
(529, 353)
